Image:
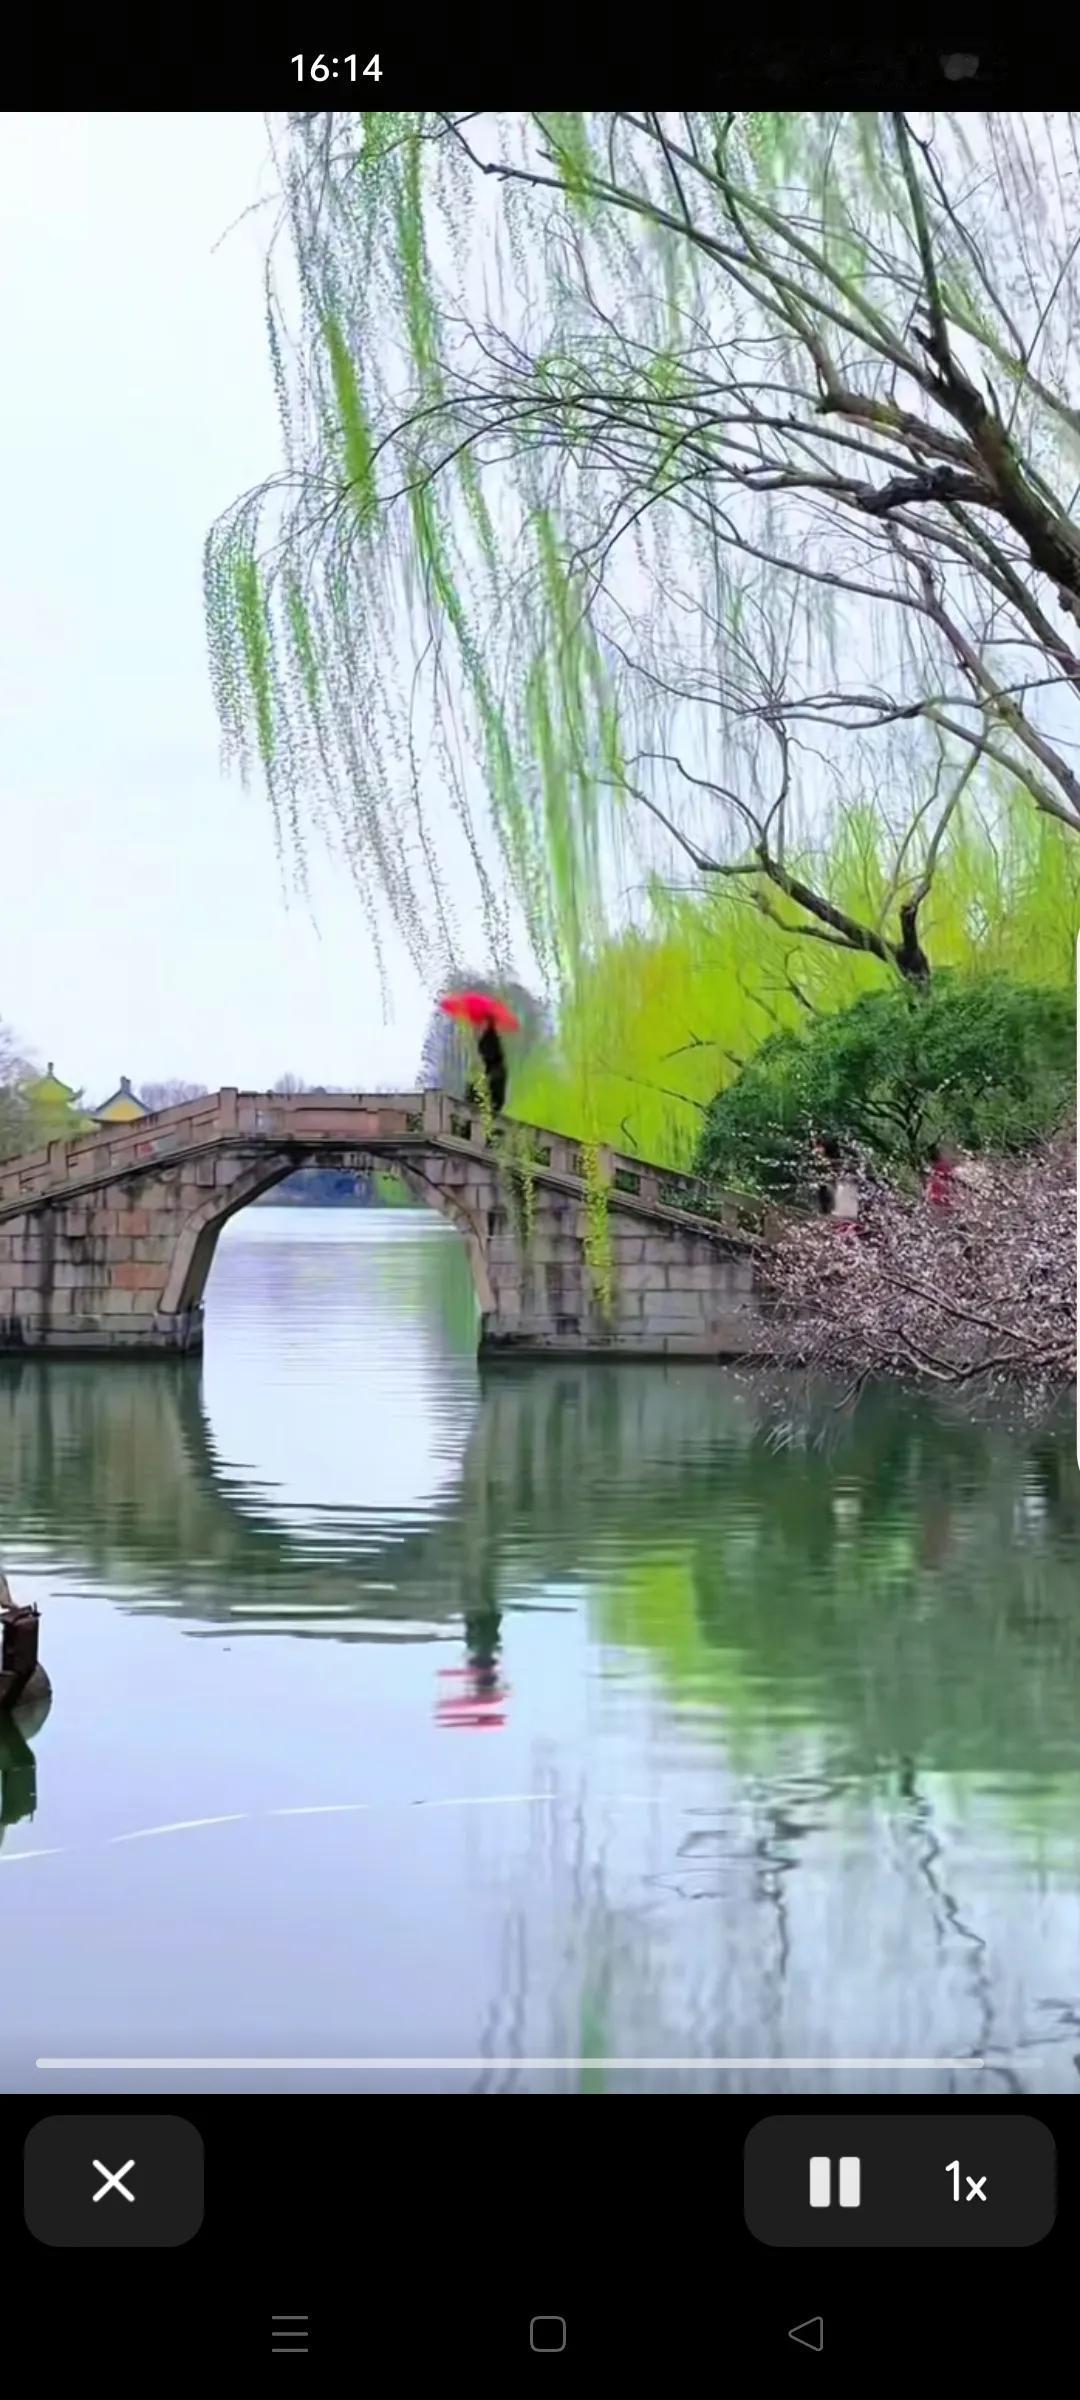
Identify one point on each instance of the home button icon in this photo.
(547, 2333)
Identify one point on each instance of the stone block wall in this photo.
(93, 1273)
(672, 1291)
(83, 1276)
(669, 1292)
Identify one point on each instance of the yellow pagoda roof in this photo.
(121, 1103)
(49, 1087)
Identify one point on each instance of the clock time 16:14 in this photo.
(324, 70)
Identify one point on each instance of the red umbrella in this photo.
(478, 1008)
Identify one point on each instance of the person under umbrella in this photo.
(493, 1061)
(489, 1018)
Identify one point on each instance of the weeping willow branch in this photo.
(619, 435)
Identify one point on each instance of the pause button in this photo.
(849, 2182)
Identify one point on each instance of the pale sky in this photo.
(144, 929)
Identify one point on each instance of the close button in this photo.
(113, 2183)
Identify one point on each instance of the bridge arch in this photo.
(198, 1238)
(457, 1213)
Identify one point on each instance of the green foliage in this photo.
(254, 633)
(663, 1017)
(517, 1167)
(975, 1062)
(16, 1132)
(355, 431)
(569, 137)
(33, 1110)
(896, 1527)
(13, 1135)
(51, 1120)
(599, 1251)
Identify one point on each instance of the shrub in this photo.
(976, 1062)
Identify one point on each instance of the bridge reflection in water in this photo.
(117, 1474)
(836, 1655)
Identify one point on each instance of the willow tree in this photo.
(657, 486)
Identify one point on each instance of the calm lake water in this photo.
(408, 1712)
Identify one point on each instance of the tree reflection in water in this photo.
(902, 1574)
(868, 1618)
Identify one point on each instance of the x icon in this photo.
(975, 2187)
(112, 2182)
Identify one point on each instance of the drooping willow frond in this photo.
(656, 486)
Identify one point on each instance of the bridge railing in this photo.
(310, 1120)
(561, 1154)
(111, 1149)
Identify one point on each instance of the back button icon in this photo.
(810, 2335)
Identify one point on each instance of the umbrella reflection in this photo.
(473, 1695)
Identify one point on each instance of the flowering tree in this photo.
(983, 1289)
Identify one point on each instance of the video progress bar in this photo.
(533, 2066)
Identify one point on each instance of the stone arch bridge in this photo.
(106, 1241)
